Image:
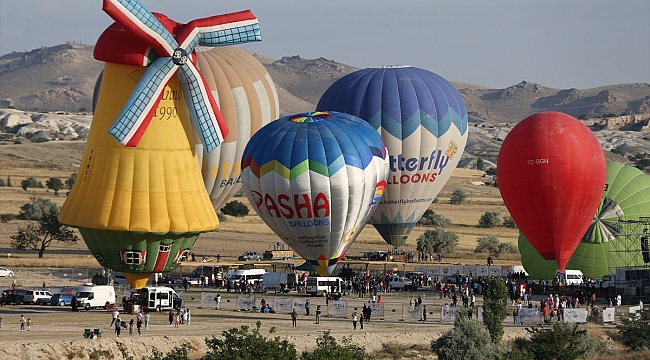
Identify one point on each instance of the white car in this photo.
(400, 283)
(6, 272)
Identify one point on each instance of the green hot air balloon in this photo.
(626, 197)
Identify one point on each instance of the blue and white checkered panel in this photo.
(236, 35)
(134, 110)
(148, 21)
(195, 98)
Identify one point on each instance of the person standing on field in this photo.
(294, 318)
(354, 320)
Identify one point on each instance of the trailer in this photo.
(278, 251)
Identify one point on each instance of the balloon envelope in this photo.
(551, 174)
(423, 122)
(626, 198)
(246, 96)
(315, 179)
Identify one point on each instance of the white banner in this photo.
(245, 303)
(207, 299)
(494, 270)
(449, 313)
(411, 311)
(337, 308)
(298, 304)
(634, 312)
(377, 309)
(469, 269)
(482, 270)
(422, 269)
(456, 269)
(609, 314)
(575, 315)
(529, 315)
(433, 271)
(445, 270)
(282, 305)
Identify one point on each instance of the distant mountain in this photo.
(63, 77)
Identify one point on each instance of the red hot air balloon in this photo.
(551, 173)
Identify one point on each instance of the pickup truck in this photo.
(249, 255)
(400, 283)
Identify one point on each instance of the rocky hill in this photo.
(53, 88)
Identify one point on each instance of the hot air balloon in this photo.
(139, 201)
(602, 249)
(315, 179)
(551, 173)
(246, 96)
(423, 121)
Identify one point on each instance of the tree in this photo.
(54, 184)
(509, 222)
(636, 332)
(235, 208)
(431, 218)
(495, 300)
(3, 182)
(71, 180)
(239, 344)
(9, 181)
(437, 241)
(489, 220)
(487, 244)
(38, 209)
(468, 339)
(327, 348)
(563, 341)
(30, 182)
(457, 197)
(39, 235)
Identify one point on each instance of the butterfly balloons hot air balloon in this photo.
(423, 121)
(602, 249)
(551, 174)
(315, 179)
(139, 200)
(246, 96)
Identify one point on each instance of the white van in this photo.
(272, 280)
(158, 298)
(569, 277)
(95, 297)
(250, 276)
(321, 285)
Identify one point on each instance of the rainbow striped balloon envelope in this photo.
(315, 179)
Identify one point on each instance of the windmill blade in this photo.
(206, 116)
(141, 106)
(227, 29)
(142, 24)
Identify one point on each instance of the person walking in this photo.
(139, 326)
(147, 317)
(29, 324)
(217, 299)
(118, 326)
(424, 313)
(131, 323)
(307, 307)
(318, 311)
(171, 316)
(354, 320)
(294, 318)
(22, 322)
(115, 315)
(188, 315)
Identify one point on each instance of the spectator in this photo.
(318, 311)
(354, 320)
(294, 318)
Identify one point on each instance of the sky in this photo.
(494, 43)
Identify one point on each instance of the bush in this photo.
(457, 197)
(565, 341)
(31, 182)
(430, 218)
(54, 184)
(509, 222)
(70, 181)
(437, 241)
(221, 216)
(487, 244)
(507, 248)
(491, 171)
(3, 182)
(327, 348)
(636, 333)
(489, 220)
(242, 345)
(468, 339)
(38, 209)
(235, 208)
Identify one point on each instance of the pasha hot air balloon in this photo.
(423, 121)
(246, 96)
(602, 249)
(315, 179)
(551, 173)
(139, 201)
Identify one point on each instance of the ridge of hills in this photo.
(53, 88)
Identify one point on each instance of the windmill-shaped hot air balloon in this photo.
(139, 200)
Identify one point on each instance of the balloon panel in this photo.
(551, 173)
(423, 122)
(626, 196)
(315, 180)
(247, 98)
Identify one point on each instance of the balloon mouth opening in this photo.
(138, 280)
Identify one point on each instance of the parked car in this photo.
(400, 283)
(32, 296)
(119, 279)
(4, 272)
(61, 300)
(249, 255)
(177, 282)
